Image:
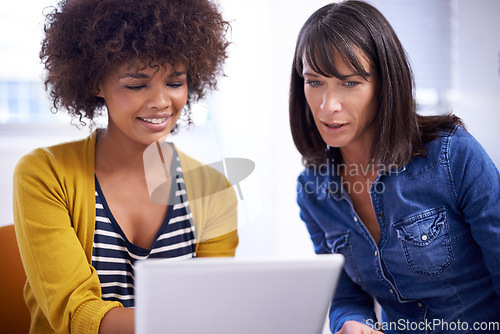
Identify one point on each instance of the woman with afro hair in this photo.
(86, 211)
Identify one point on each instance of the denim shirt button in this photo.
(391, 291)
(420, 305)
(424, 237)
(355, 218)
(376, 253)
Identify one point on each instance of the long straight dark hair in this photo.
(355, 29)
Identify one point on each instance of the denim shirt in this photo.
(436, 268)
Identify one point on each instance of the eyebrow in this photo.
(178, 74)
(134, 75)
(317, 75)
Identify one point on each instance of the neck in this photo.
(117, 153)
(350, 157)
(359, 160)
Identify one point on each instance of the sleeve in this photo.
(349, 302)
(219, 237)
(476, 182)
(65, 288)
(223, 246)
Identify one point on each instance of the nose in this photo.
(160, 98)
(331, 101)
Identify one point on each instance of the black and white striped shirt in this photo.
(114, 255)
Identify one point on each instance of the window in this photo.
(425, 30)
(22, 95)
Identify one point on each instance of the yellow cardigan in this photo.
(54, 215)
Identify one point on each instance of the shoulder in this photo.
(458, 143)
(313, 172)
(71, 155)
(201, 177)
(452, 146)
(465, 149)
(315, 184)
(457, 136)
(187, 162)
(461, 139)
(192, 166)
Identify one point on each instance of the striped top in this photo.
(114, 255)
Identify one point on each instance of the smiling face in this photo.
(343, 109)
(143, 103)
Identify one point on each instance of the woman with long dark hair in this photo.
(412, 202)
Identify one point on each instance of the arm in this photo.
(476, 183)
(118, 320)
(350, 302)
(62, 286)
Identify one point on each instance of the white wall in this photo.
(477, 71)
(250, 113)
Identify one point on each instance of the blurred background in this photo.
(454, 46)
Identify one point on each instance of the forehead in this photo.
(152, 67)
(332, 63)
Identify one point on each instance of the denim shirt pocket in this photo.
(339, 243)
(426, 241)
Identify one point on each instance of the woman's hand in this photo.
(354, 327)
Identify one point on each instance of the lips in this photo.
(335, 125)
(156, 122)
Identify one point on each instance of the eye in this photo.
(135, 87)
(351, 83)
(313, 83)
(176, 85)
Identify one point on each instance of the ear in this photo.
(98, 91)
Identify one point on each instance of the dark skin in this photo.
(143, 106)
(141, 221)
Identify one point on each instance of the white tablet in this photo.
(235, 296)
